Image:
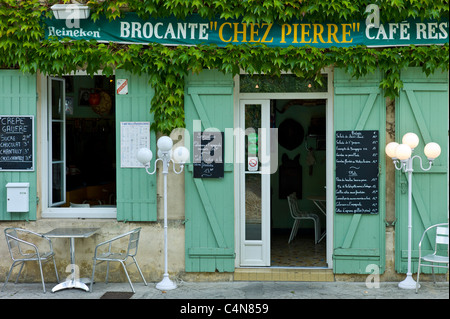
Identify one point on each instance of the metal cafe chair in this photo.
(434, 260)
(23, 247)
(115, 253)
(298, 215)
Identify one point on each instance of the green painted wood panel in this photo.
(209, 203)
(18, 97)
(422, 108)
(359, 240)
(136, 190)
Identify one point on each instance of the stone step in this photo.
(283, 274)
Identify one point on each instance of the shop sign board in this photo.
(16, 143)
(194, 30)
(208, 154)
(357, 172)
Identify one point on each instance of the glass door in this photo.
(255, 183)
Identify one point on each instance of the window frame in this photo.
(47, 210)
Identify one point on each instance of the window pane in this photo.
(57, 146)
(252, 125)
(57, 182)
(57, 95)
(286, 83)
(253, 207)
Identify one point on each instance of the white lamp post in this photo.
(402, 152)
(180, 156)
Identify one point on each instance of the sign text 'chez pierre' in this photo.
(357, 172)
(195, 30)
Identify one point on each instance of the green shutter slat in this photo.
(206, 123)
(209, 210)
(358, 252)
(351, 231)
(136, 190)
(366, 111)
(18, 97)
(211, 252)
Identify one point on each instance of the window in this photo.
(286, 83)
(81, 146)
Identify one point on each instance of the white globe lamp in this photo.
(164, 143)
(410, 139)
(432, 150)
(144, 156)
(403, 152)
(181, 155)
(390, 149)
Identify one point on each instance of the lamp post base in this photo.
(167, 284)
(408, 283)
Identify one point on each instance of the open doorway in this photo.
(298, 113)
(301, 170)
(299, 151)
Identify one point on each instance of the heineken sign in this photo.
(194, 31)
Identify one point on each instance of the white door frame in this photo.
(328, 96)
(256, 252)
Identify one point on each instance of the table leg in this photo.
(72, 281)
(323, 209)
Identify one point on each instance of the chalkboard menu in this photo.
(208, 154)
(357, 172)
(16, 143)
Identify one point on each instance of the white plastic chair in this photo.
(116, 253)
(22, 250)
(298, 215)
(434, 260)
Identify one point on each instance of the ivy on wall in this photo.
(22, 45)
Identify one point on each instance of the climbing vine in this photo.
(22, 45)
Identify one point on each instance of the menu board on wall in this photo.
(16, 143)
(208, 154)
(357, 172)
(133, 136)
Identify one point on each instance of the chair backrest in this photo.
(133, 242)
(293, 204)
(14, 242)
(442, 235)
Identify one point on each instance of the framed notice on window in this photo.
(133, 136)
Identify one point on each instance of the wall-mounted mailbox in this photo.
(17, 197)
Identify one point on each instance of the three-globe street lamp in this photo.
(401, 155)
(165, 154)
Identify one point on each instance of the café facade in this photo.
(71, 142)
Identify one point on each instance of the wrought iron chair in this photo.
(298, 215)
(23, 246)
(434, 258)
(115, 253)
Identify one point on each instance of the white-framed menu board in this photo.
(133, 136)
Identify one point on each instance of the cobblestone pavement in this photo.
(235, 290)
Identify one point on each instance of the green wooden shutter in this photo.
(359, 240)
(136, 190)
(422, 108)
(209, 202)
(18, 97)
